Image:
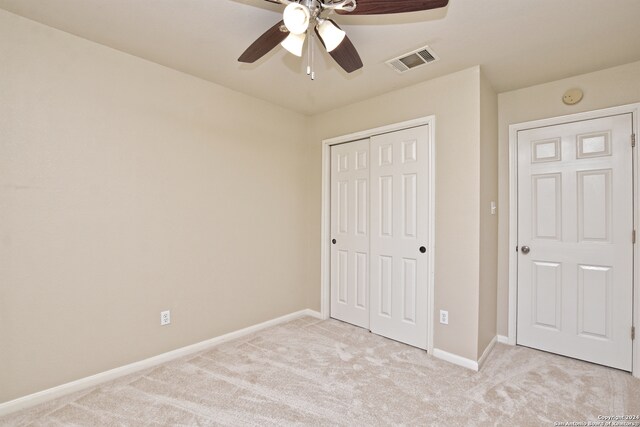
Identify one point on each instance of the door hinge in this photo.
(633, 237)
(633, 140)
(633, 333)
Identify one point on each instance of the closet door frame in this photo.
(325, 242)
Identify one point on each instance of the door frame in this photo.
(634, 110)
(325, 232)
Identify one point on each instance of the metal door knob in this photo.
(526, 249)
(334, 241)
(423, 249)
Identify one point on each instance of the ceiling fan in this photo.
(307, 19)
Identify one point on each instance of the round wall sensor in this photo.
(572, 96)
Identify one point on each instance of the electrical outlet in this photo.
(444, 317)
(165, 317)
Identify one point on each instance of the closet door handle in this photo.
(423, 249)
(334, 241)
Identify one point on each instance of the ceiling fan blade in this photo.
(264, 44)
(347, 56)
(381, 7)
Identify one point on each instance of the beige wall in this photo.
(127, 188)
(602, 89)
(455, 101)
(488, 222)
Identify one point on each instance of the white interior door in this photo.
(575, 223)
(350, 232)
(400, 235)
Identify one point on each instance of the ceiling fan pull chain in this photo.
(309, 54)
(312, 46)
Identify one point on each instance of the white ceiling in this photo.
(518, 42)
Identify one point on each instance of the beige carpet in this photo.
(329, 373)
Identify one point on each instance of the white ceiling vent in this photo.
(412, 60)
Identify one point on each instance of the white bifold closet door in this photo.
(350, 232)
(380, 234)
(400, 235)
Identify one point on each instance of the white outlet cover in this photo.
(444, 317)
(165, 317)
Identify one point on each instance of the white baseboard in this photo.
(455, 359)
(308, 312)
(93, 380)
(463, 361)
(486, 352)
(502, 339)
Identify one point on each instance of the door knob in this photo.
(423, 249)
(334, 241)
(526, 249)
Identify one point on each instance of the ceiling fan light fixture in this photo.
(331, 35)
(294, 43)
(297, 18)
(301, 16)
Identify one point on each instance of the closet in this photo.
(379, 224)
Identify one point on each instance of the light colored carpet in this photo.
(329, 373)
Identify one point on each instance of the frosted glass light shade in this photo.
(294, 43)
(296, 18)
(331, 35)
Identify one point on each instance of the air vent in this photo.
(412, 60)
